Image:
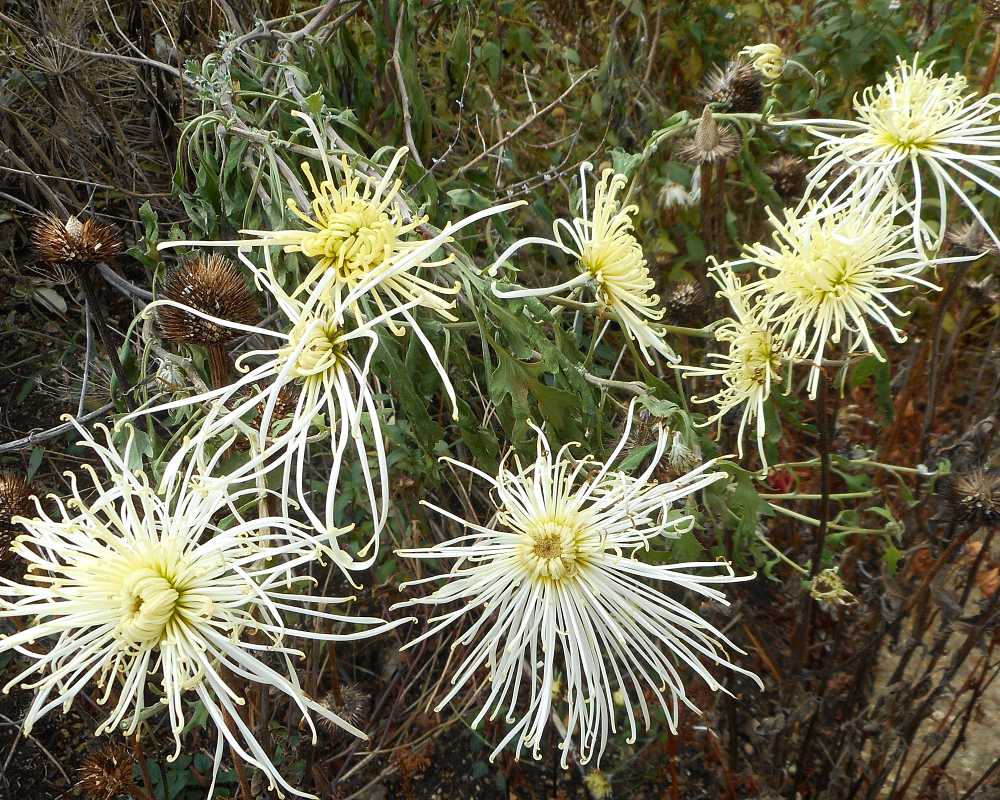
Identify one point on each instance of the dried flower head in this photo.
(971, 237)
(974, 496)
(106, 772)
(735, 88)
(711, 142)
(214, 286)
(788, 173)
(354, 706)
(686, 304)
(991, 10)
(74, 242)
(15, 501)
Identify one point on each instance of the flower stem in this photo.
(90, 295)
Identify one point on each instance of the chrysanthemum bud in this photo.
(711, 142)
(598, 784)
(15, 494)
(74, 243)
(735, 88)
(974, 496)
(686, 304)
(213, 286)
(767, 59)
(788, 173)
(106, 773)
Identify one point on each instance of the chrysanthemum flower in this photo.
(552, 589)
(831, 273)
(912, 122)
(315, 362)
(610, 261)
(750, 367)
(128, 588)
(357, 231)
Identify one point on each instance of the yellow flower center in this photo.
(148, 603)
(353, 240)
(321, 348)
(554, 548)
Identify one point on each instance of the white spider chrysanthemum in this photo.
(831, 273)
(313, 361)
(610, 261)
(914, 120)
(131, 590)
(356, 233)
(554, 591)
(751, 366)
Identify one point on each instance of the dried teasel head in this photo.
(15, 501)
(686, 304)
(788, 173)
(711, 141)
(970, 238)
(74, 243)
(212, 285)
(354, 707)
(974, 496)
(106, 773)
(735, 88)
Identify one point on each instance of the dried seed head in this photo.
(74, 243)
(354, 708)
(991, 9)
(788, 173)
(106, 773)
(985, 292)
(972, 239)
(711, 142)
(735, 88)
(686, 304)
(15, 501)
(211, 285)
(974, 496)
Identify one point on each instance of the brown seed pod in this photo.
(991, 9)
(74, 243)
(735, 88)
(15, 501)
(212, 285)
(686, 304)
(106, 773)
(974, 496)
(354, 707)
(711, 142)
(788, 173)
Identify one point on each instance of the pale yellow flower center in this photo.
(148, 603)
(914, 109)
(553, 548)
(321, 348)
